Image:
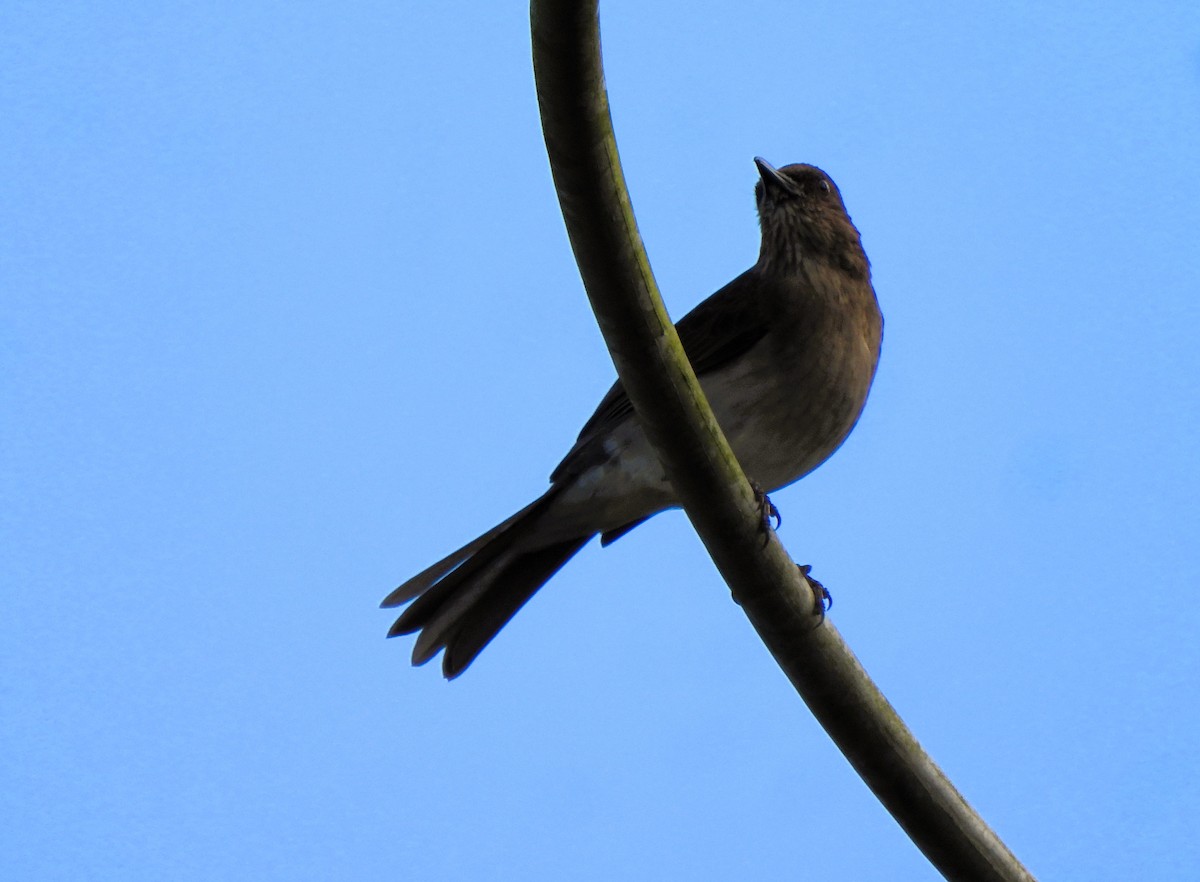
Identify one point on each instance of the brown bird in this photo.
(785, 353)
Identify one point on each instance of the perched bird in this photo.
(785, 353)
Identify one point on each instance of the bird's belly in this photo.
(784, 417)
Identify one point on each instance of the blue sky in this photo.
(287, 312)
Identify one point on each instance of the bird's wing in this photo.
(723, 327)
(720, 329)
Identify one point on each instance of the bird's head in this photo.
(802, 217)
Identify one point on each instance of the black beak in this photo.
(772, 179)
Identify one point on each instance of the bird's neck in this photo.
(783, 253)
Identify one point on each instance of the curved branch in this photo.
(706, 476)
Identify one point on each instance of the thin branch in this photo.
(707, 478)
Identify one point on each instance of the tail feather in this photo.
(511, 590)
(463, 600)
(454, 591)
(438, 613)
(421, 582)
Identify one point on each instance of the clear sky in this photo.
(287, 312)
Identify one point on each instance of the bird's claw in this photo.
(822, 599)
(767, 510)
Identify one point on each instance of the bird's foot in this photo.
(822, 599)
(767, 510)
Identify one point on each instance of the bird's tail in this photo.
(463, 600)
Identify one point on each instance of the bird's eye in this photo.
(825, 185)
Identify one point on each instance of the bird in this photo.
(785, 353)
